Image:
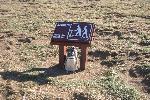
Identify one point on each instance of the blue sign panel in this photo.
(78, 32)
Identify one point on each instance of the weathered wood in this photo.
(83, 59)
(62, 55)
(69, 44)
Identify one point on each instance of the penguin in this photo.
(71, 60)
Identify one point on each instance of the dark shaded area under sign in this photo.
(41, 78)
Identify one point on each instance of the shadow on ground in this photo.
(143, 72)
(38, 75)
(101, 54)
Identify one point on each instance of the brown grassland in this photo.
(118, 66)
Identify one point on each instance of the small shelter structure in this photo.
(77, 34)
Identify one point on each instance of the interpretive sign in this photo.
(73, 32)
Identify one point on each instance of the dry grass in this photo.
(28, 62)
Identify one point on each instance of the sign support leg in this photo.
(83, 59)
(62, 55)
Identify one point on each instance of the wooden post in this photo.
(83, 59)
(62, 55)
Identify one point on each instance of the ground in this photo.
(118, 64)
